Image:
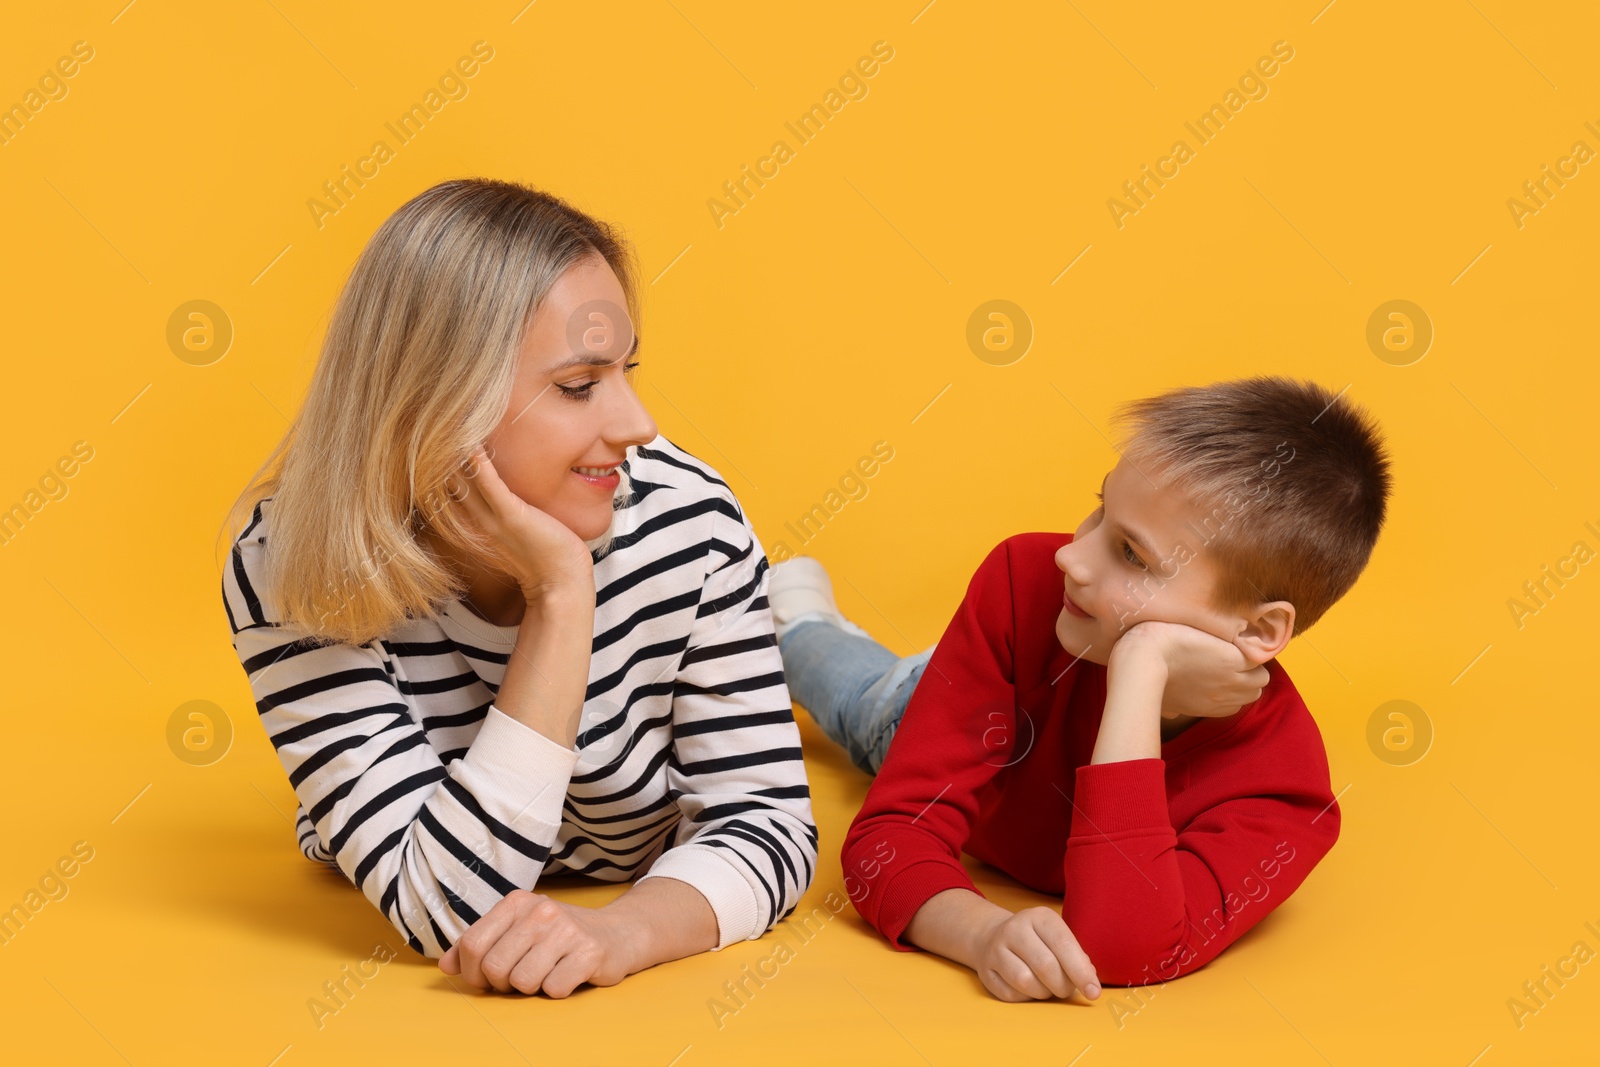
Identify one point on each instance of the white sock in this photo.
(798, 590)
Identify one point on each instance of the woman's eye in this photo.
(585, 391)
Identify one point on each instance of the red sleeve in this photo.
(905, 843)
(1148, 904)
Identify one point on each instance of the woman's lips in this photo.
(609, 482)
(1072, 608)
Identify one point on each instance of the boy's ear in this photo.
(1266, 631)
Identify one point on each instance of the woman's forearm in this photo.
(660, 919)
(548, 673)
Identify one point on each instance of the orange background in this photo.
(830, 312)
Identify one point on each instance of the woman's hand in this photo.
(1032, 955)
(531, 943)
(1206, 676)
(539, 551)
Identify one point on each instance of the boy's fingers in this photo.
(1018, 974)
(1074, 960)
(1006, 992)
(1046, 967)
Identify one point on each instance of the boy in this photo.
(1104, 718)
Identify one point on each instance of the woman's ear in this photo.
(1266, 631)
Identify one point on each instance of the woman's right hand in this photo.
(539, 551)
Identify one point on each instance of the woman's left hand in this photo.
(531, 943)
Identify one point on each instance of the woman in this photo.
(498, 627)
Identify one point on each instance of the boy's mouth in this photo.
(1072, 607)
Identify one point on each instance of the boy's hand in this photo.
(1206, 676)
(1032, 955)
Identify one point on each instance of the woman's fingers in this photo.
(472, 494)
(508, 952)
(570, 971)
(555, 939)
(482, 936)
(487, 481)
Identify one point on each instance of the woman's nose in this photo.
(633, 425)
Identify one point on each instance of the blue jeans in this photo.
(854, 688)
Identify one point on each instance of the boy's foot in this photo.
(798, 590)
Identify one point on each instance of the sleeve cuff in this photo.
(512, 760)
(732, 898)
(1112, 798)
(915, 886)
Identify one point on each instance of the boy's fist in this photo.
(1206, 676)
(1032, 955)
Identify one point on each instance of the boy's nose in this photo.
(1067, 562)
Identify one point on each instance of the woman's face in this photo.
(573, 404)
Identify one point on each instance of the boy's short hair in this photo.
(1294, 477)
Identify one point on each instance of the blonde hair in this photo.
(1293, 481)
(415, 372)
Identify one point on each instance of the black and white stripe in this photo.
(435, 803)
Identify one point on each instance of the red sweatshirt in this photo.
(1161, 863)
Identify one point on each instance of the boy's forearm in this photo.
(1130, 726)
(953, 923)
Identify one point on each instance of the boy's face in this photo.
(1134, 559)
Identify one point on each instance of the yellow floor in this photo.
(196, 933)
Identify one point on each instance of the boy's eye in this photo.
(1127, 549)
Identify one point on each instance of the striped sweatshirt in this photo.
(436, 803)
